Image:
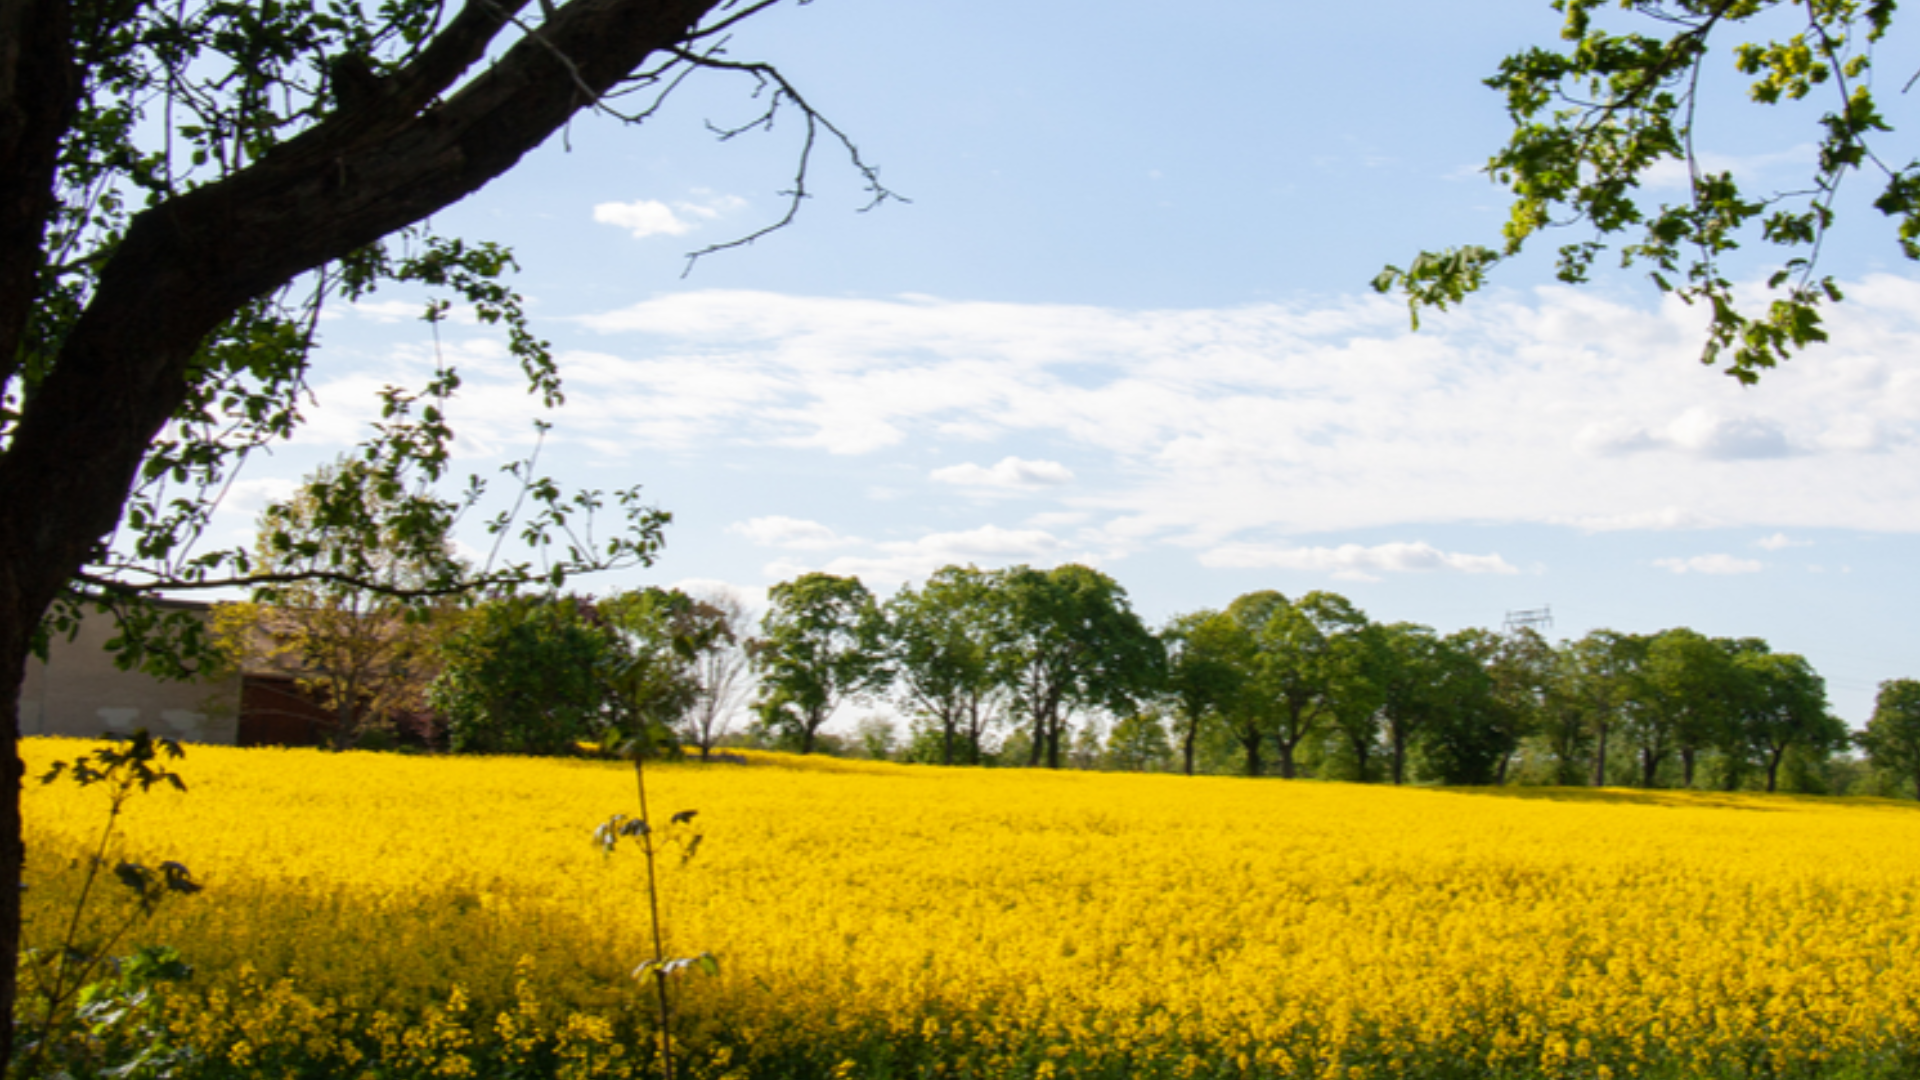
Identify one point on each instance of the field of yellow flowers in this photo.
(386, 916)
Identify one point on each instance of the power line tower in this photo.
(1535, 619)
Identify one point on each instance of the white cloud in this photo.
(786, 532)
(1710, 434)
(1352, 561)
(1557, 407)
(651, 217)
(1705, 433)
(1010, 473)
(1780, 542)
(894, 562)
(1710, 564)
(1665, 519)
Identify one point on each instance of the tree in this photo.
(649, 674)
(1785, 707)
(1590, 124)
(1428, 685)
(1205, 674)
(1358, 701)
(184, 188)
(523, 675)
(821, 645)
(1598, 671)
(1306, 655)
(939, 647)
(1470, 740)
(1566, 730)
(1892, 737)
(361, 648)
(721, 671)
(1138, 743)
(1690, 689)
(1069, 641)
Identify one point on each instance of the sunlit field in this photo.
(389, 916)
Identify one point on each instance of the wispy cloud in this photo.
(651, 217)
(893, 562)
(1780, 542)
(1009, 473)
(1207, 428)
(1711, 564)
(1354, 562)
(786, 532)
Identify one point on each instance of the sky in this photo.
(1120, 316)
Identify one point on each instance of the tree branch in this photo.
(764, 74)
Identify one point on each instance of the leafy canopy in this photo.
(1594, 119)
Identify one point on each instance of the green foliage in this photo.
(939, 648)
(1205, 675)
(1069, 640)
(1476, 724)
(1592, 120)
(541, 675)
(1138, 743)
(1892, 737)
(1783, 713)
(821, 644)
(518, 676)
(83, 1012)
(1309, 659)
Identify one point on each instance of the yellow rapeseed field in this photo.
(388, 915)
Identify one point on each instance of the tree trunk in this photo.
(1186, 746)
(1649, 768)
(1773, 766)
(1362, 756)
(1398, 759)
(1286, 757)
(1252, 746)
(1686, 767)
(1600, 756)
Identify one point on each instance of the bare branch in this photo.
(765, 74)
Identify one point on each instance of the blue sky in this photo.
(1125, 321)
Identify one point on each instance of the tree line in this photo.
(1053, 668)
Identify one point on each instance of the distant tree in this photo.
(650, 671)
(1206, 673)
(939, 654)
(721, 672)
(1427, 684)
(1468, 739)
(1305, 655)
(1358, 699)
(522, 675)
(1566, 731)
(1689, 691)
(820, 645)
(1138, 743)
(1069, 641)
(1784, 707)
(1599, 672)
(876, 737)
(338, 560)
(1892, 737)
